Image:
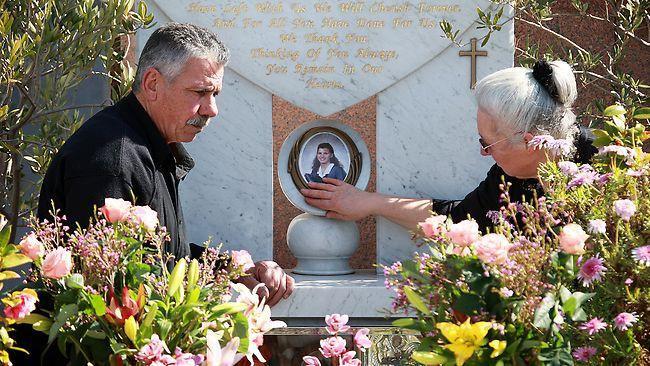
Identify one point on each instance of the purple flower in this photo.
(626, 152)
(624, 209)
(568, 167)
(561, 147)
(591, 271)
(634, 173)
(584, 176)
(604, 178)
(556, 146)
(596, 226)
(623, 321)
(628, 281)
(540, 141)
(642, 255)
(593, 326)
(583, 354)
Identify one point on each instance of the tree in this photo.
(565, 30)
(48, 47)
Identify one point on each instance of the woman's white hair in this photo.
(520, 103)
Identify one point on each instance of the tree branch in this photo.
(53, 111)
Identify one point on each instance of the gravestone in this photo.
(324, 57)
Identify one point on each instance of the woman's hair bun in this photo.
(543, 73)
(557, 79)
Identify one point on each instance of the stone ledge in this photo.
(359, 295)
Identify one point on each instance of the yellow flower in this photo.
(464, 339)
(499, 347)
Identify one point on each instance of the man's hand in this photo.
(341, 200)
(277, 284)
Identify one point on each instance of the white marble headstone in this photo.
(325, 56)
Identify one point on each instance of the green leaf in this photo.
(15, 259)
(240, 330)
(614, 110)
(4, 235)
(415, 300)
(228, 308)
(542, 319)
(428, 358)
(404, 322)
(468, 304)
(75, 281)
(556, 357)
(66, 312)
(414, 324)
(98, 305)
(642, 113)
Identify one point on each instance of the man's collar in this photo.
(162, 152)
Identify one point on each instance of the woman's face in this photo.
(324, 155)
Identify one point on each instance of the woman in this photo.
(514, 106)
(325, 165)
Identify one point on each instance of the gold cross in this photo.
(473, 53)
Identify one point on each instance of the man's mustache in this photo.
(199, 121)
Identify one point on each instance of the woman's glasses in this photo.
(485, 146)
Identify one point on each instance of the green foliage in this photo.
(47, 49)
(597, 65)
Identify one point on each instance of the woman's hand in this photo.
(341, 200)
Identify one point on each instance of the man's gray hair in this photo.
(519, 103)
(170, 46)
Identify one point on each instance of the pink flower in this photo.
(187, 359)
(572, 239)
(464, 233)
(434, 226)
(332, 346)
(57, 263)
(31, 246)
(115, 209)
(151, 352)
(311, 361)
(628, 281)
(336, 323)
(568, 167)
(145, 216)
(591, 271)
(347, 359)
(623, 321)
(597, 226)
(642, 255)
(242, 258)
(492, 248)
(20, 304)
(217, 356)
(624, 209)
(583, 354)
(593, 326)
(361, 339)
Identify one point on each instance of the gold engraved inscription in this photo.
(200, 8)
(238, 9)
(334, 23)
(323, 7)
(437, 8)
(329, 39)
(384, 55)
(381, 7)
(221, 23)
(313, 69)
(314, 83)
(280, 53)
(352, 6)
(269, 7)
(367, 23)
(276, 69)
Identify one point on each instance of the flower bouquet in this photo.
(116, 302)
(564, 278)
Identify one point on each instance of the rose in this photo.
(242, 258)
(57, 263)
(31, 246)
(332, 346)
(144, 215)
(572, 239)
(20, 304)
(336, 323)
(361, 339)
(492, 248)
(434, 226)
(464, 233)
(115, 209)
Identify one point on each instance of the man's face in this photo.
(186, 103)
(509, 150)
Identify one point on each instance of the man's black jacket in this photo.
(119, 153)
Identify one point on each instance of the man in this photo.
(133, 150)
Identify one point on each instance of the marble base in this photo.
(322, 246)
(360, 295)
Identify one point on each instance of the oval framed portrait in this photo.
(324, 152)
(317, 150)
